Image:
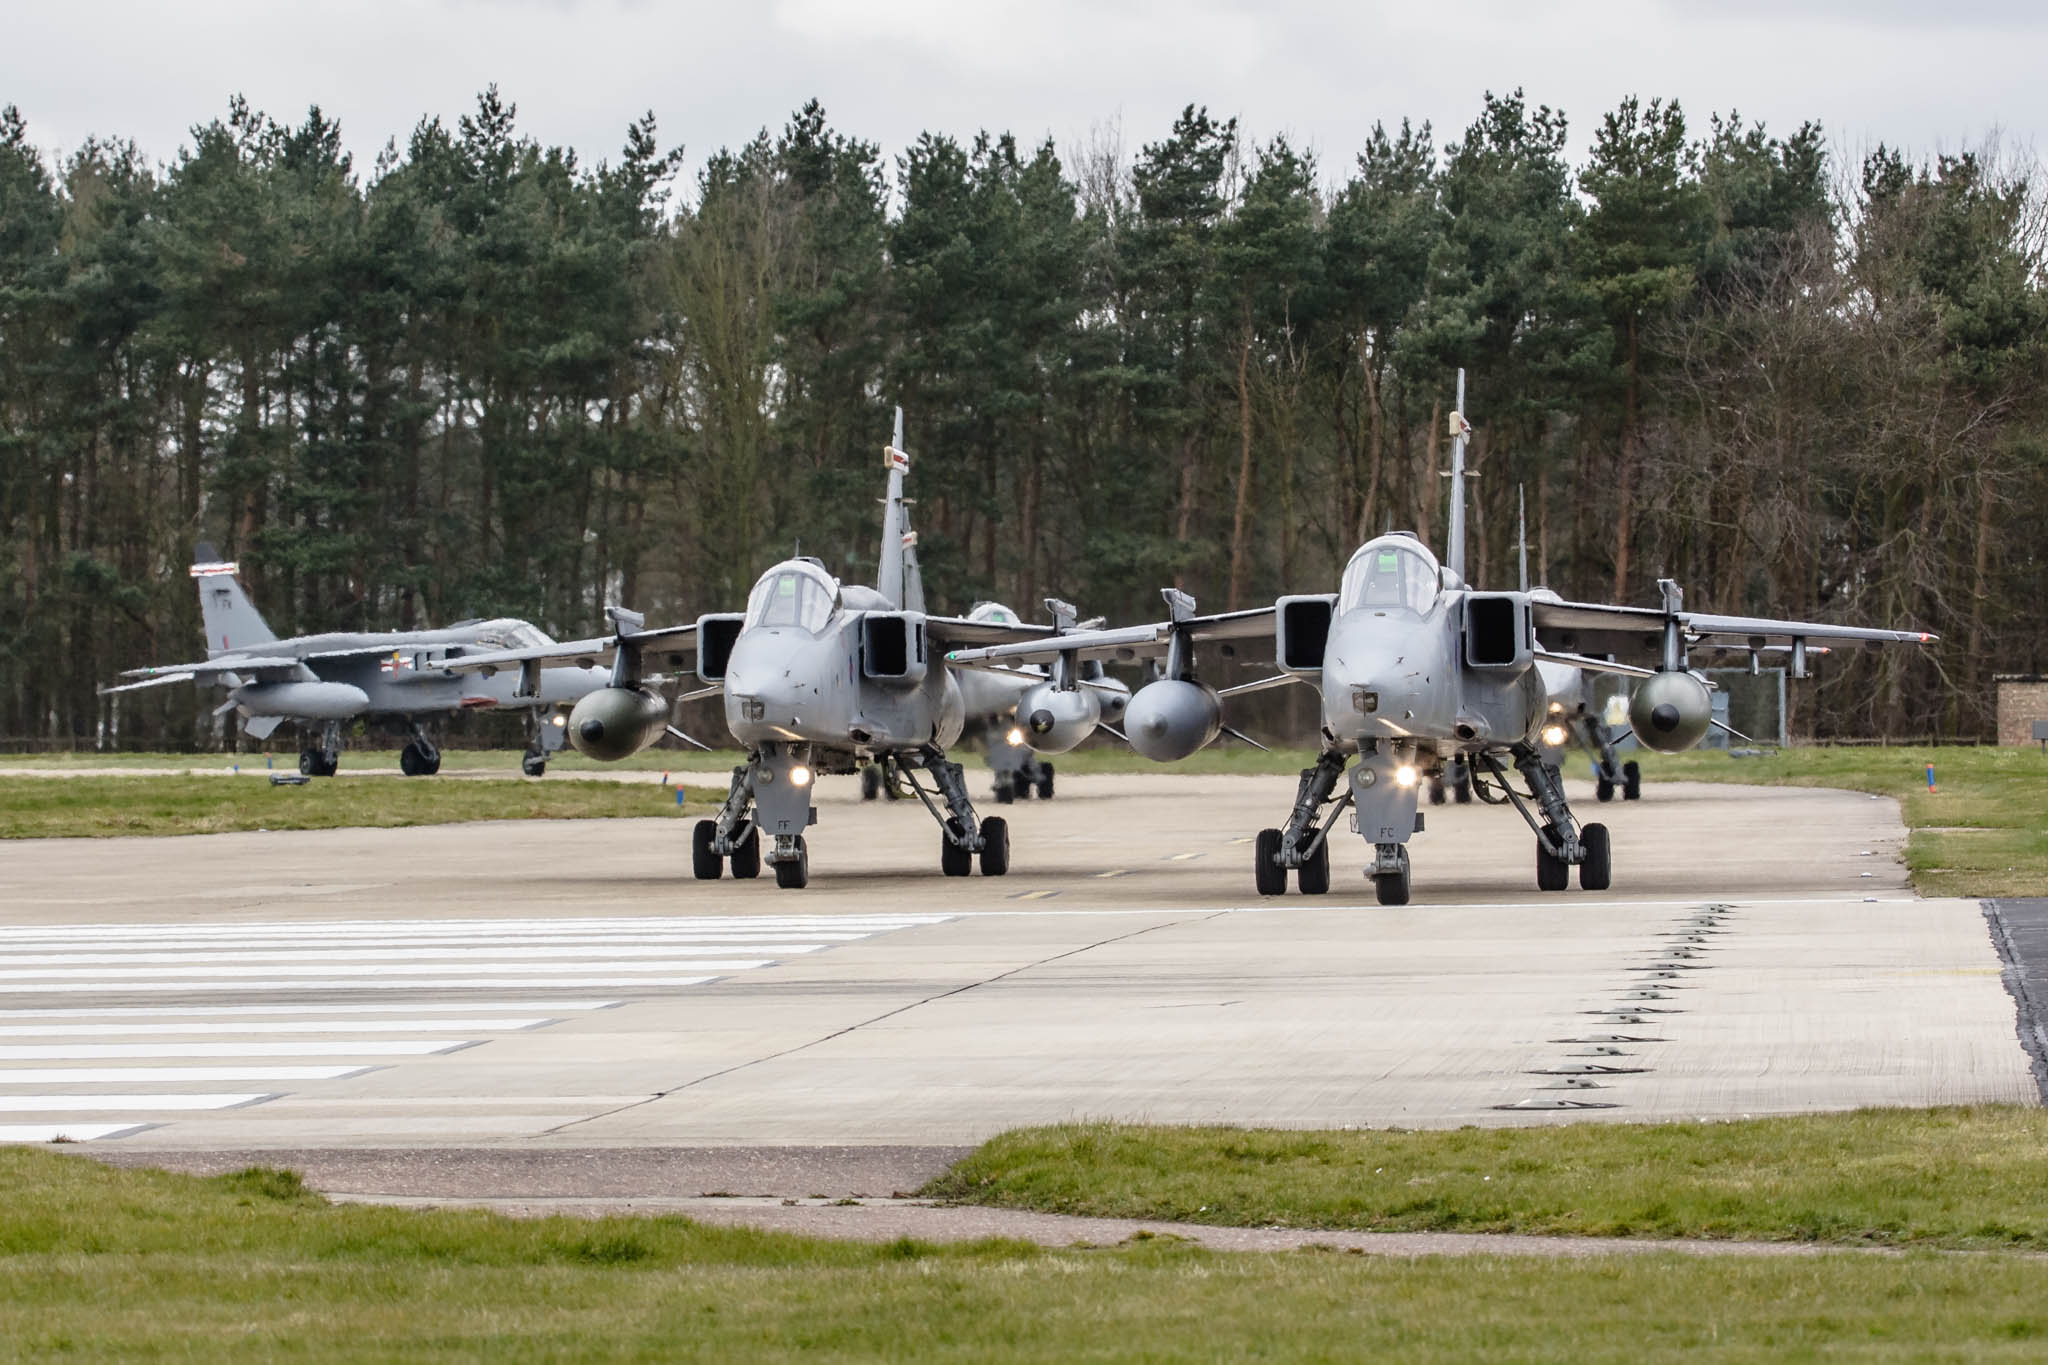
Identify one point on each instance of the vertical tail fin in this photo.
(896, 576)
(1454, 558)
(1522, 532)
(231, 619)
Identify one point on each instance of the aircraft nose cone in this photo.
(592, 731)
(1041, 721)
(1665, 717)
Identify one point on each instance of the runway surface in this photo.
(566, 987)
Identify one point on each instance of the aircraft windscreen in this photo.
(1389, 576)
(791, 597)
(993, 613)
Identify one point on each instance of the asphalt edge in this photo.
(2028, 1022)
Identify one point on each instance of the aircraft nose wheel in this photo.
(1392, 887)
(1045, 783)
(1603, 789)
(793, 867)
(1267, 873)
(533, 765)
(870, 782)
(1005, 793)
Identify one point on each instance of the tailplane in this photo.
(232, 621)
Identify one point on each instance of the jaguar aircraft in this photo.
(1416, 671)
(817, 677)
(399, 678)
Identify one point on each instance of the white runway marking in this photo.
(268, 1027)
(66, 1132)
(106, 1104)
(407, 976)
(80, 1052)
(167, 1075)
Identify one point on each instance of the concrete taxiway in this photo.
(565, 986)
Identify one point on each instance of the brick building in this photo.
(2022, 700)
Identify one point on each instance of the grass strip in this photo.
(104, 807)
(1983, 830)
(98, 1264)
(1956, 1178)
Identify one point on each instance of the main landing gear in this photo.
(419, 758)
(961, 835)
(1457, 777)
(1304, 845)
(1020, 784)
(734, 837)
(1561, 842)
(324, 761)
(1609, 772)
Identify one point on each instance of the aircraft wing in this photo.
(958, 630)
(249, 667)
(1598, 628)
(1125, 642)
(671, 643)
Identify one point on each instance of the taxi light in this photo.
(800, 776)
(1015, 737)
(560, 720)
(1556, 708)
(1405, 775)
(1553, 735)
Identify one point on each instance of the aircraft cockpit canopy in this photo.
(993, 613)
(510, 634)
(793, 593)
(1392, 573)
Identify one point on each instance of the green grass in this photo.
(1982, 832)
(101, 807)
(1974, 1177)
(99, 1264)
(286, 759)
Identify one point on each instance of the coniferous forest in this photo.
(482, 376)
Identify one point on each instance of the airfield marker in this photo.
(1930, 777)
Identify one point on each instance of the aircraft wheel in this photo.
(533, 765)
(954, 860)
(1005, 793)
(995, 846)
(870, 782)
(1552, 872)
(1603, 789)
(704, 859)
(794, 874)
(329, 764)
(1045, 784)
(1436, 791)
(1270, 877)
(309, 762)
(1020, 787)
(746, 855)
(889, 792)
(1391, 888)
(1596, 872)
(1462, 790)
(1631, 781)
(409, 761)
(1313, 876)
(430, 766)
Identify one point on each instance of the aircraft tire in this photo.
(1631, 781)
(1462, 791)
(1436, 791)
(1552, 873)
(794, 874)
(954, 860)
(705, 863)
(1313, 876)
(746, 856)
(1603, 790)
(1045, 784)
(1020, 787)
(870, 782)
(1391, 888)
(1267, 874)
(995, 846)
(533, 765)
(1596, 872)
(429, 767)
(309, 762)
(1005, 793)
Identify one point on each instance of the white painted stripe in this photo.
(749, 924)
(65, 1132)
(381, 1007)
(172, 1075)
(411, 943)
(107, 975)
(523, 983)
(102, 1104)
(267, 1027)
(369, 954)
(81, 1052)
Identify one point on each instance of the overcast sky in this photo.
(1930, 76)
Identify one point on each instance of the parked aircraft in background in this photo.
(1417, 670)
(395, 678)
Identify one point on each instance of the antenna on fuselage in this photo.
(1522, 531)
(1454, 559)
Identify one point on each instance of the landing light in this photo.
(560, 720)
(1405, 775)
(1556, 708)
(1015, 737)
(800, 776)
(1553, 735)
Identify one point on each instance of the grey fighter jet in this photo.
(818, 677)
(395, 678)
(1417, 670)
